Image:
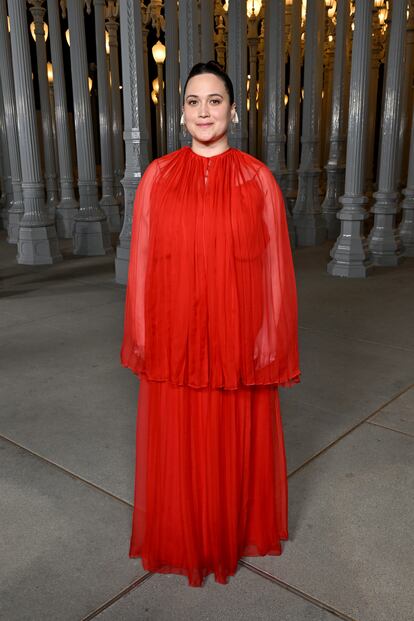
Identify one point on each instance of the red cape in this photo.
(211, 296)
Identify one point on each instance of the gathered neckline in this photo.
(209, 157)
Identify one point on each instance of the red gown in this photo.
(211, 330)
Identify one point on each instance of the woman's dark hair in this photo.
(212, 67)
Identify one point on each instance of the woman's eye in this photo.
(216, 101)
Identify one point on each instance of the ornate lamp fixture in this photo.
(32, 30)
(159, 54)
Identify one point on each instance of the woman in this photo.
(211, 330)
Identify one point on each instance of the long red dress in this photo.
(211, 330)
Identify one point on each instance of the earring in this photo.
(183, 127)
(235, 118)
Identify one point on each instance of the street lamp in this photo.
(159, 53)
(32, 30)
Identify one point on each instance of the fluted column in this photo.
(172, 68)
(68, 206)
(335, 168)
(148, 87)
(237, 70)
(328, 62)
(135, 132)
(16, 209)
(91, 235)
(307, 214)
(377, 56)
(293, 122)
(207, 30)
(116, 107)
(38, 13)
(189, 46)
(407, 100)
(5, 173)
(37, 243)
(384, 242)
(108, 201)
(349, 254)
(407, 206)
(274, 153)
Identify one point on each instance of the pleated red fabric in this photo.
(210, 328)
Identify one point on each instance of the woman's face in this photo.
(207, 110)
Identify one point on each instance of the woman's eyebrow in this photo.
(209, 95)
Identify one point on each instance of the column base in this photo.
(111, 209)
(406, 231)
(408, 249)
(38, 245)
(349, 270)
(333, 225)
(385, 260)
(121, 265)
(65, 218)
(4, 217)
(91, 238)
(14, 226)
(310, 230)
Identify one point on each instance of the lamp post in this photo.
(254, 14)
(158, 53)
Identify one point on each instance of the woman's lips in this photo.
(204, 124)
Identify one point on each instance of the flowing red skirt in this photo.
(210, 480)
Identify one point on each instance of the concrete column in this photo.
(135, 132)
(335, 167)
(189, 46)
(307, 214)
(16, 209)
(116, 107)
(407, 206)
(91, 235)
(108, 201)
(68, 206)
(5, 174)
(261, 81)
(252, 46)
(207, 30)
(407, 102)
(275, 138)
(38, 13)
(377, 57)
(384, 242)
(349, 254)
(148, 87)
(237, 70)
(172, 78)
(328, 62)
(37, 243)
(293, 122)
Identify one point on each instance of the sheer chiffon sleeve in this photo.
(133, 344)
(276, 343)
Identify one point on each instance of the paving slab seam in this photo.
(404, 433)
(349, 337)
(296, 591)
(68, 472)
(125, 502)
(117, 597)
(18, 324)
(352, 429)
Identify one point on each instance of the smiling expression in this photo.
(207, 110)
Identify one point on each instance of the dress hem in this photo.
(198, 575)
(287, 383)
